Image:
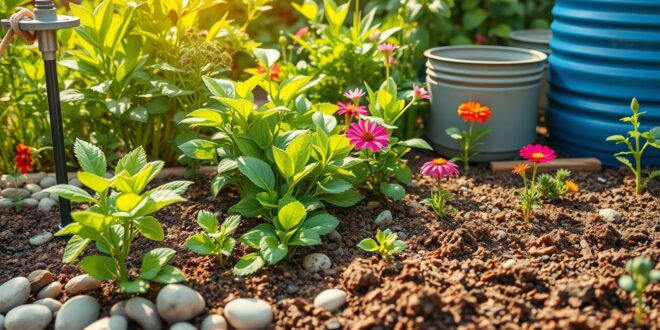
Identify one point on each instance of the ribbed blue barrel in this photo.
(604, 53)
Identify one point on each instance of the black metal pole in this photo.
(57, 135)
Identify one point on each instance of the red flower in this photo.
(274, 71)
(537, 153)
(23, 158)
(302, 32)
(474, 112)
(480, 39)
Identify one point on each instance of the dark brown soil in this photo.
(483, 268)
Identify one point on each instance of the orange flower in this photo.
(572, 186)
(23, 158)
(521, 168)
(474, 112)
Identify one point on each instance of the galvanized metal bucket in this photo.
(506, 79)
(536, 39)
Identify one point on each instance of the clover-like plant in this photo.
(215, 239)
(470, 138)
(387, 244)
(120, 211)
(555, 187)
(291, 228)
(641, 274)
(635, 147)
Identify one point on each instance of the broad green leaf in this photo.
(368, 245)
(474, 18)
(154, 260)
(327, 122)
(309, 9)
(266, 57)
(200, 244)
(150, 228)
(74, 248)
(164, 198)
(321, 223)
(257, 171)
(403, 174)
(199, 149)
(345, 199)
(454, 133)
(284, 163)
(253, 237)
(306, 237)
(393, 190)
(231, 224)
(90, 219)
(128, 202)
(218, 182)
(94, 182)
(335, 186)
(616, 138)
(132, 162)
(178, 187)
(336, 15)
(220, 87)
(90, 157)
(71, 193)
(249, 264)
(244, 88)
(272, 250)
(135, 286)
(292, 87)
(170, 274)
(291, 215)
(204, 117)
(247, 207)
(99, 267)
(207, 221)
(417, 143)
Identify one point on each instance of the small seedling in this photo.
(635, 146)
(554, 188)
(641, 274)
(386, 244)
(216, 239)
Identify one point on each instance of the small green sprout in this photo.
(641, 274)
(553, 188)
(635, 146)
(386, 244)
(216, 239)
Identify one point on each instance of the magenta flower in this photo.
(420, 93)
(480, 39)
(302, 31)
(352, 109)
(537, 153)
(387, 49)
(366, 134)
(354, 94)
(440, 168)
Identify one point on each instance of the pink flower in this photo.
(354, 94)
(366, 134)
(351, 109)
(387, 49)
(302, 31)
(374, 36)
(391, 60)
(537, 153)
(420, 93)
(440, 168)
(480, 39)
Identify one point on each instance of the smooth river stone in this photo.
(144, 313)
(51, 303)
(77, 313)
(81, 284)
(39, 279)
(176, 302)
(249, 313)
(116, 322)
(14, 292)
(28, 317)
(51, 290)
(182, 326)
(214, 322)
(330, 299)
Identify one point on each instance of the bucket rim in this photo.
(538, 57)
(533, 36)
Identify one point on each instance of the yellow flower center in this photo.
(538, 155)
(439, 161)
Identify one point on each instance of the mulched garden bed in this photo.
(483, 268)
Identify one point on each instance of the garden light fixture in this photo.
(45, 24)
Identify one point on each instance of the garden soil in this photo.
(482, 268)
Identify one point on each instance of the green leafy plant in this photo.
(470, 138)
(291, 228)
(386, 244)
(641, 274)
(553, 188)
(120, 211)
(635, 147)
(215, 239)
(530, 196)
(285, 147)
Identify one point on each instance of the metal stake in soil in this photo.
(46, 24)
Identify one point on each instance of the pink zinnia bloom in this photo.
(391, 60)
(354, 94)
(480, 39)
(302, 31)
(420, 93)
(351, 109)
(366, 134)
(537, 153)
(374, 36)
(440, 168)
(387, 49)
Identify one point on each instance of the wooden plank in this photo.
(576, 164)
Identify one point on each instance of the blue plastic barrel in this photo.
(604, 53)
